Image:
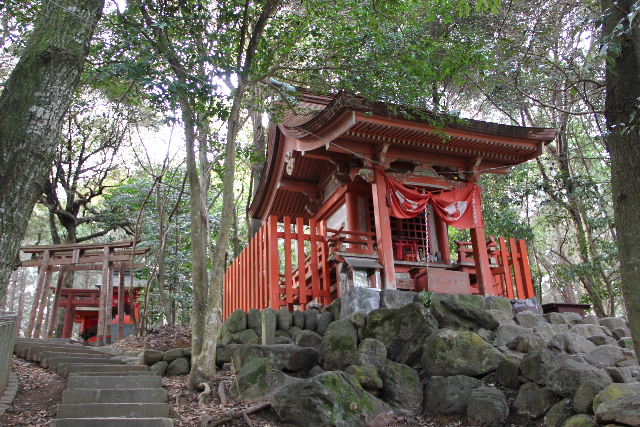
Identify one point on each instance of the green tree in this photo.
(32, 104)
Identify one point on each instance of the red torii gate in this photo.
(105, 257)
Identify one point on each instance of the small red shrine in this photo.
(363, 194)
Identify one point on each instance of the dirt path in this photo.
(39, 393)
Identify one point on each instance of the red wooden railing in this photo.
(267, 273)
(509, 265)
(354, 242)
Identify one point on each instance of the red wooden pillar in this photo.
(442, 231)
(383, 231)
(273, 262)
(481, 259)
(70, 312)
(121, 301)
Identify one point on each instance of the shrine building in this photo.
(361, 194)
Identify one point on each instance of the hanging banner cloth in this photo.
(460, 208)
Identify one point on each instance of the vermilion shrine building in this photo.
(362, 194)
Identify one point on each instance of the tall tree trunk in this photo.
(204, 361)
(623, 143)
(36, 96)
(257, 164)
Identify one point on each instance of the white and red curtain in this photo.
(460, 208)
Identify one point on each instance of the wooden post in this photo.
(481, 259)
(108, 318)
(442, 231)
(37, 295)
(506, 267)
(103, 297)
(517, 267)
(121, 302)
(43, 303)
(302, 279)
(273, 262)
(529, 292)
(383, 231)
(53, 318)
(288, 261)
(70, 312)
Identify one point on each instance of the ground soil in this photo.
(39, 392)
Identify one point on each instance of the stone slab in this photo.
(140, 395)
(120, 382)
(129, 410)
(114, 422)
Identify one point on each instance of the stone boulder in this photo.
(563, 318)
(559, 413)
(371, 352)
(324, 321)
(588, 330)
(580, 420)
(571, 343)
(533, 401)
(448, 352)
(401, 330)
(624, 374)
(254, 320)
(401, 388)
(284, 319)
(339, 345)
(253, 371)
(394, 298)
(549, 330)
(334, 308)
(367, 376)
(625, 342)
(530, 305)
(286, 357)
(449, 395)
(310, 319)
(613, 323)
(298, 319)
(508, 372)
(179, 366)
(584, 395)
(507, 333)
(536, 365)
(528, 343)
(619, 333)
(590, 319)
(307, 338)
(528, 319)
(149, 357)
(565, 378)
(609, 355)
(466, 313)
(236, 322)
(173, 354)
(159, 368)
(487, 407)
(603, 340)
(330, 399)
(617, 404)
(359, 300)
(248, 336)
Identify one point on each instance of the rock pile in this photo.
(484, 358)
(171, 362)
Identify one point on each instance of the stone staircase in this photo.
(103, 388)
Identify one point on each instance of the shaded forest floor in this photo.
(39, 392)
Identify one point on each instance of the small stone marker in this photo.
(268, 326)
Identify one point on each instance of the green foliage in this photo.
(424, 298)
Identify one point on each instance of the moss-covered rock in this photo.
(623, 410)
(401, 330)
(173, 354)
(565, 378)
(487, 407)
(371, 352)
(339, 345)
(533, 401)
(254, 369)
(330, 399)
(449, 395)
(259, 379)
(467, 312)
(615, 391)
(508, 372)
(287, 357)
(159, 368)
(284, 319)
(367, 376)
(248, 336)
(401, 388)
(559, 413)
(537, 364)
(236, 322)
(584, 395)
(448, 352)
(580, 420)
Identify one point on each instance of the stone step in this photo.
(58, 362)
(105, 410)
(47, 356)
(119, 382)
(114, 373)
(31, 352)
(139, 395)
(114, 422)
(66, 369)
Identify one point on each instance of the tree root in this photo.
(244, 413)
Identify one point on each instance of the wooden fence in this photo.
(284, 264)
(512, 276)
